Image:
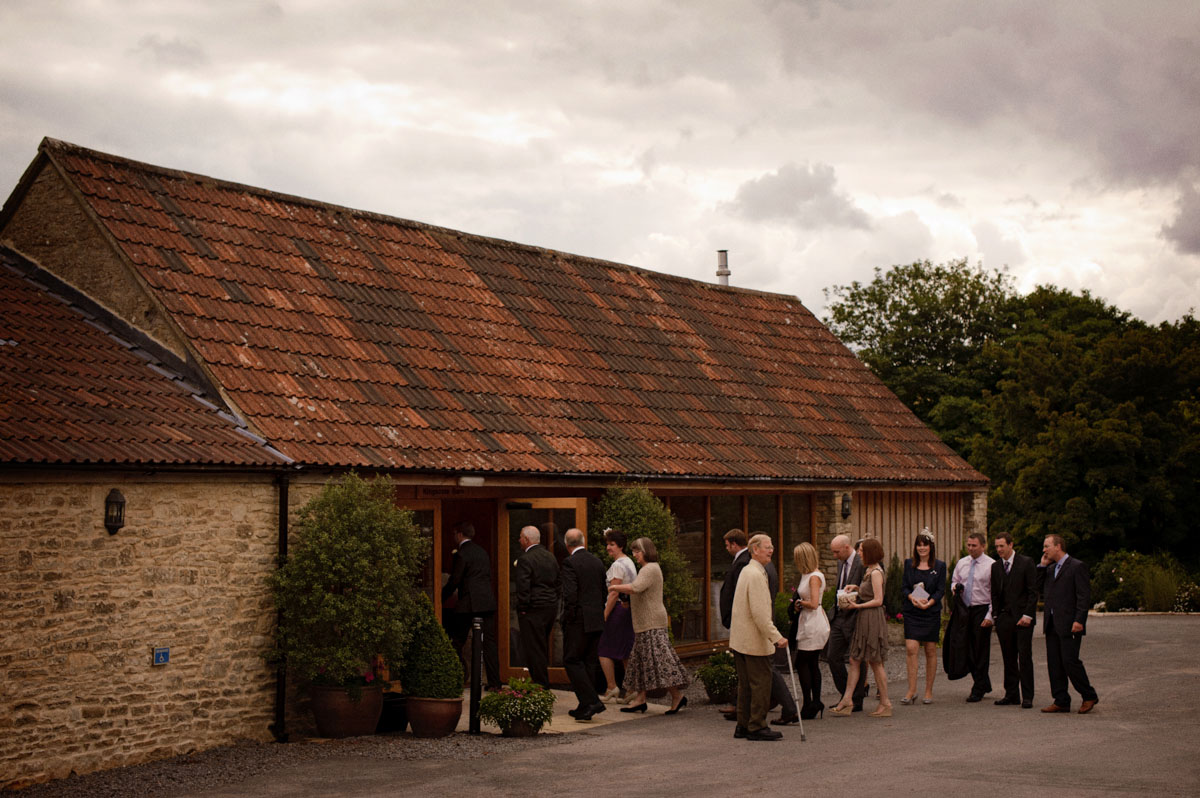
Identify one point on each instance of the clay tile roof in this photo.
(348, 338)
(74, 391)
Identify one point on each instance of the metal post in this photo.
(476, 671)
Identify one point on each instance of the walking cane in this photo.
(792, 671)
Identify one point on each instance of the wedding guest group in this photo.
(923, 587)
(972, 583)
(653, 663)
(1014, 607)
(1068, 596)
(809, 629)
(617, 640)
(583, 597)
(868, 644)
(753, 639)
(537, 597)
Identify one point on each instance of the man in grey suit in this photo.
(841, 622)
(1068, 598)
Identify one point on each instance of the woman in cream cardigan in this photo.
(653, 663)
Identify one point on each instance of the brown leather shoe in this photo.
(1086, 707)
(1057, 708)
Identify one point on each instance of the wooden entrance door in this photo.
(553, 517)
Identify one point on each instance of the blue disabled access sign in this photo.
(162, 655)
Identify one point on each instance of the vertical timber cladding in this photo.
(895, 518)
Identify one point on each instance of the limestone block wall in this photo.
(827, 512)
(81, 612)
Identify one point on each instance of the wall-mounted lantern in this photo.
(114, 511)
(845, 506)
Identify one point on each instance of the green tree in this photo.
(637, 512)
(346, 593)
(920, 326)
(1086, 420)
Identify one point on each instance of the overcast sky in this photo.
(814, 140)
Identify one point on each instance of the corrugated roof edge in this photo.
(50, 146)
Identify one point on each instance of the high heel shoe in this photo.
(842, 711)
(882, 711)
(682, 703)
(908, 699)
(611, 695)
(812, 710)
(639, 708)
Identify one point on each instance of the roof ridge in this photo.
(51, 146)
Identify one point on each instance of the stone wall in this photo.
(827, 508)
(81, 612)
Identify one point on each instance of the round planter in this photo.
(337, 715)
(724, 696)
(519, 728)
(394, 717)
(433, 717)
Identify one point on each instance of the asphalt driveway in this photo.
(1141, 739)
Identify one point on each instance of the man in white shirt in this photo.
(973, 580)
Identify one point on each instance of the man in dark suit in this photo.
(584, 594)
(471, 576)
(736, 544)
(841, 622)
(537, 603)
(1067, 600)
(1014, 607)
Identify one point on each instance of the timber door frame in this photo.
(504, 557)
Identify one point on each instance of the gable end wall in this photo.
(51, 228)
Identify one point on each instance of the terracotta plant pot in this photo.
(433, 717)
(339, 716)
(519, 728)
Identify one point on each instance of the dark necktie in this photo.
(1007, 563)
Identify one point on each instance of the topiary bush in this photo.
(346, 592)
(719, 677)
(431, 667)
(637, 512)
(782, 622)
(828, 598)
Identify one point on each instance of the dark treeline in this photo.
(1086, 420)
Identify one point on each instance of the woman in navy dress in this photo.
(922, 616)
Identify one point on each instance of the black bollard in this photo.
(476, 671)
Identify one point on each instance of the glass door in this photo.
(553, 517)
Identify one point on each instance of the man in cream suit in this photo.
(753, 639)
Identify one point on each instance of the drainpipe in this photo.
(279, 727)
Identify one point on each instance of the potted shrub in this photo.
(520, 708)
(431, 676)
(345, 599)
(719, 678)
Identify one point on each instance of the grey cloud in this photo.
(1115, 80)
(804, 195)
(174, 53)
(1184, 232)
(998, 249)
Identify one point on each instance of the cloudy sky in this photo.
(813, 139)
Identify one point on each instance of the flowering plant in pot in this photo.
(431, 676)
(520, 708)
(719, 678)
(345, 598)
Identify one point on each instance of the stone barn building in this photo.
(211, 353)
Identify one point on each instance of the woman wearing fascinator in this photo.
(923, 587)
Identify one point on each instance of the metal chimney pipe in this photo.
(723, 266)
